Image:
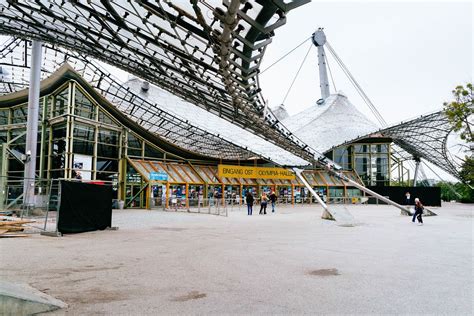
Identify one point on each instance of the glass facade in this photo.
(370, 161)
(77, 139)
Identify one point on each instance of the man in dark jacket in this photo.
(273, 199)
(249, 201)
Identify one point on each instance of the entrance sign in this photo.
(231, 171)
(158, 176)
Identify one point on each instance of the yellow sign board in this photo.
(230, 171)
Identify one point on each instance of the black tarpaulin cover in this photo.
(84, 207)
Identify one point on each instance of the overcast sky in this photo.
(406, 55)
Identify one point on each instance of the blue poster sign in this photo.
(158, 176)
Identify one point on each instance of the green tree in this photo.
(456, 192)
(467, 171)
(460, 113)
(460, 110)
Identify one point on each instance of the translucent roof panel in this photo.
(150, 115)
(206, 52)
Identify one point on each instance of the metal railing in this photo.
(201, 206)
(46, 198)
(220, 206)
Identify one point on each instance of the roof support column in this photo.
(32, 124)
(417, 167)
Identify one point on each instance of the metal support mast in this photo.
(417, 169)
(32, 124)
(319, 39)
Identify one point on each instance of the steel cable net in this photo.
(423, 137)
(206, 52)
(426, 137)
(14, 62)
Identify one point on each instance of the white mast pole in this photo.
(319, 39)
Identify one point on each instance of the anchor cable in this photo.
(284, 56)
(297, 73)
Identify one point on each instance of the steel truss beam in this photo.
(205, 53)
(171, 128)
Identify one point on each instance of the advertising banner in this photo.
(82, 166)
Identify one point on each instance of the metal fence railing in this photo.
(220, 206)
(204, 206)
(45, 198)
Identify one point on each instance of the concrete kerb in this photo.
(22, 299)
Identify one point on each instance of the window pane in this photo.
(152, 152)
(84, 132)
(82, 106)
(60, 103)
(58, 154)
(133, 141)
(134, 152)
(361, 148)
(108, 137)
(3, 136)
(342, 156)
(59, 131)
(83, 147)
(20, 143)
(382, 148)
(104, 118)
(57, 174)
(4, 116)
(19, 114)
(107, 165)
(107, 150)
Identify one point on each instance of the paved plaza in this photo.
(291, 262)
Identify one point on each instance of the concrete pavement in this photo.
(291, 262)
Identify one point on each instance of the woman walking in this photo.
(418, 212)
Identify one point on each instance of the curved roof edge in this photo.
(66, 72)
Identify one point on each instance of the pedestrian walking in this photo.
(273, 199)
(263, 203)
(249, 201)
(407, 198)
(418, 212)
